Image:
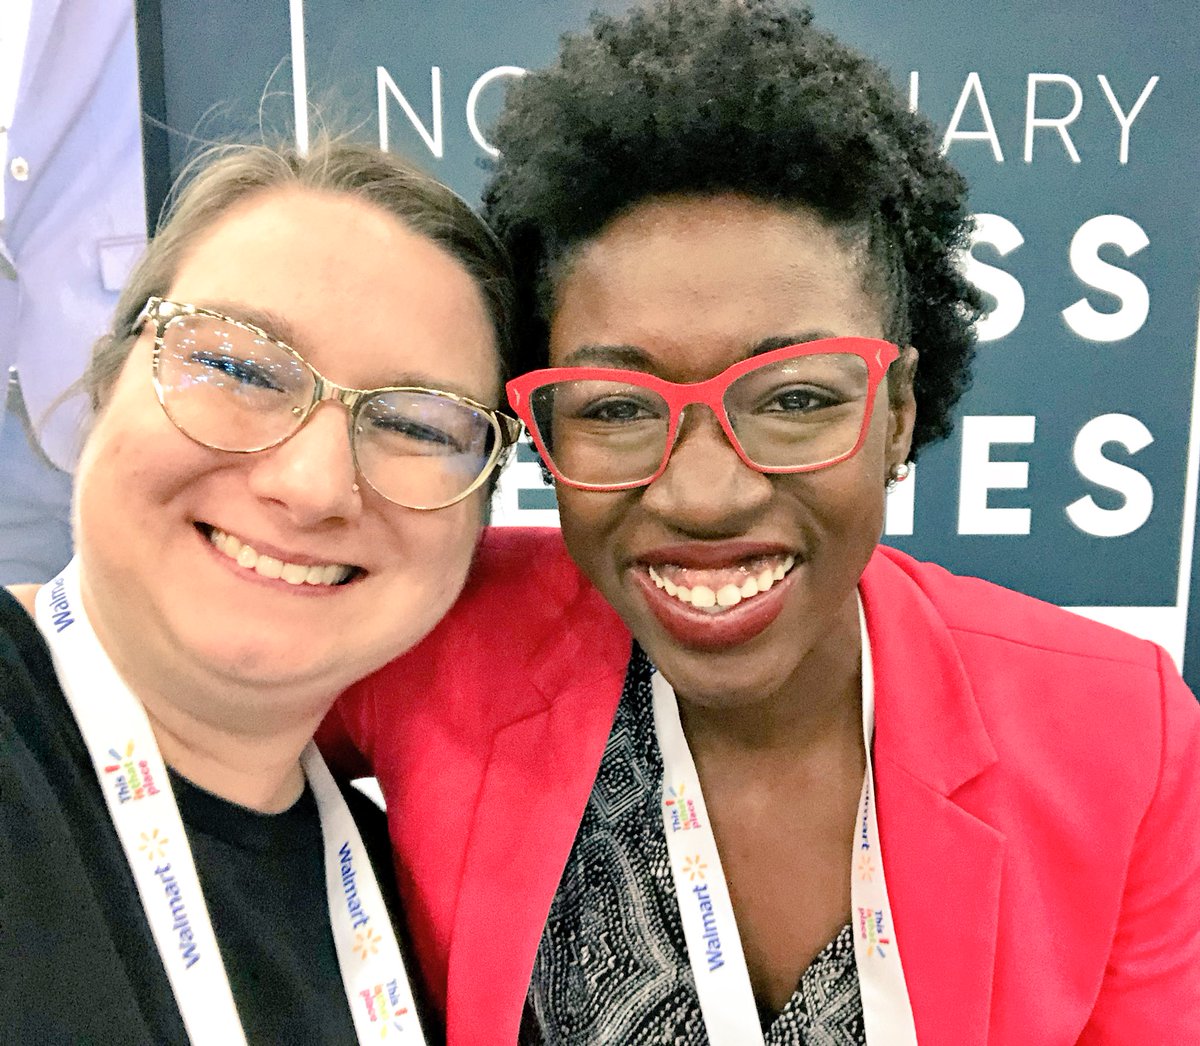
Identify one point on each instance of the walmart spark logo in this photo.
(153, 844)
(694, 868)
(367, 943)
(866, 868)
(131, 776)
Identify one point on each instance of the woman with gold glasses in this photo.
(295, 433)
(834, 795)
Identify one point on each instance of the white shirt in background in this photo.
(14, 31)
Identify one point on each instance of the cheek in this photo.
(589, 520)
(439, 545)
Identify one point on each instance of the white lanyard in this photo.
(134, 780)
(714, 947)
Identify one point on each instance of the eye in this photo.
(801, 400)
(615, 409)
(244, 371)
(416, 431)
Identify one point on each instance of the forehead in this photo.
(365, 298)
(698, 283)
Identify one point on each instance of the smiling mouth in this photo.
(249, 558)
(716, 591)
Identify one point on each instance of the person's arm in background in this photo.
(1151, 988)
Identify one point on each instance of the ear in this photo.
(902, 406)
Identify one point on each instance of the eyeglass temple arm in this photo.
(513, 427)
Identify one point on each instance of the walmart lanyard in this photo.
(714, 947)
(134, 780)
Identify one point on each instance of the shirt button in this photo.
(19, 169)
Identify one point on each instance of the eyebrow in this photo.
(626, 356)
(278, 329)
(271, 323)
(782, 341)
(631, 357)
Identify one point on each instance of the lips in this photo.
(718, 590)
(710, 597)
(307, 573)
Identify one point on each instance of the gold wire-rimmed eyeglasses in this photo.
(230, 386)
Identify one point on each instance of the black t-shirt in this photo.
(78, 963)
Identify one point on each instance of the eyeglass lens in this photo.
(229, 388)
(793, 413)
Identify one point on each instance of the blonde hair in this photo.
(225, 175)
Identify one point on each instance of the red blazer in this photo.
(1038, 779)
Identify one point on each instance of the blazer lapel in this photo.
(533, 794)
(943, 865)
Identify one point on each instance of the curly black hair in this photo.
(746, 96)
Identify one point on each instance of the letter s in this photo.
(1005, 237)
(1087, 264)
(1134, 487)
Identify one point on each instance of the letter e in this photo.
(979, 474)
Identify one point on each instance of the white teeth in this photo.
(294, 573)
(728, 595)
(270, 567)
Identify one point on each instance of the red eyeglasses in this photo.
(795, 409)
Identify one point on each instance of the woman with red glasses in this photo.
(833, 795)
(294, 431)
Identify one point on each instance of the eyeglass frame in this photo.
(507, 428)
(877, 354)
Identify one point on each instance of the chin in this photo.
(732, 677)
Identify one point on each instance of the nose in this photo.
(311, 476)
(706, 489)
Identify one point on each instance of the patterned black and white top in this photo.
(612, 966)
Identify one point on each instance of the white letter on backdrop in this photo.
(1087, 264)
(988, 134)
(1126, 119)
(1129, 483)
(1059, 123)
(473, 102)
(979, 474)
(384, 85)
(1000, 233)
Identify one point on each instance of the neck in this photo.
(255, 771)
(240, 741)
